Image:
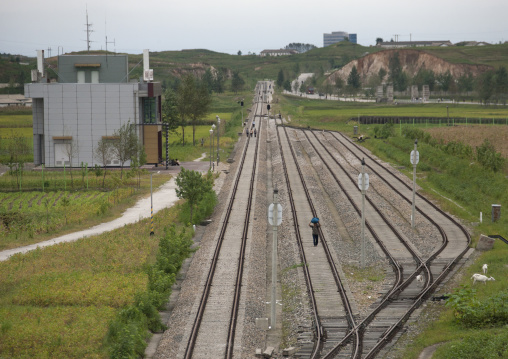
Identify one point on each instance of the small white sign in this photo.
(279, 214)
(148, 75)
(366, 181)
(413, 156)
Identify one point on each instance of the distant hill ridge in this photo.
(411, 62)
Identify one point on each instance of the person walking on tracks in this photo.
(255, 132)
(314, 224)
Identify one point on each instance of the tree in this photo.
(17, 149)
(71, 150)
(125, 144)
(339, 84)
(170, 115)
(192, 186)
(104, 154)
(445, 80)
(287, 85)
(465, 82)
(485, 86)
(425, 77)
(239, 53)
(280, 78)
(501, 82)
(397, 76)
(353, 80)
(328, 89)
(219, 80)
(379, 40)
(381, 74)
(303, 87)
(237, 82)
(208, 80)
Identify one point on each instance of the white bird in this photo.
(481, 278)
(419, 278)
(485, 267)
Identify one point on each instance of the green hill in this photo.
(170, 65)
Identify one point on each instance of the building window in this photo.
(81, 77)
(95, 77)
(149, 110)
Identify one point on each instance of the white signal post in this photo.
(275, 219)
(414, 158)
(218, 138)
(363, 185)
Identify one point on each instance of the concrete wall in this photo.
(86, 112)
(112, 69)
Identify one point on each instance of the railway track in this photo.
(214, 327)
(380, 326)
(332, 312)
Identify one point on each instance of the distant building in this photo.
(337, 36)
(14, 100)
(401, 44)
(475, 43)
(91, 101)
(280, 52)
(353, 39)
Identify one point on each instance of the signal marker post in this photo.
(414, 158)
(275, 219)
(363, 185)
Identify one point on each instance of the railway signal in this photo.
(363, 185)
(414, 158)
(275, 219)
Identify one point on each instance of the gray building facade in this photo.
(334, 37)
(91, 101)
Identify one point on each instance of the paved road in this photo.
(164, 197)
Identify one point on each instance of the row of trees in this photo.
(490, 86)
(188, 102)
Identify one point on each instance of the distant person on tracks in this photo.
(255, 132)
(314, 224)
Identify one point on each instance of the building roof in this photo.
(287, 51)
(14, 100)
(415, 43)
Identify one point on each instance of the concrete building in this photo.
(92, 99)
(280, 52)
(402, 44)
(338, 36)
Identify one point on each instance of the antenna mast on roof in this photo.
(109, 42)
(88, 31)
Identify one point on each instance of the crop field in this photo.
(24, 215)
(474, 136)
(329, 112)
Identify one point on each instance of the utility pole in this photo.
(275, 219)
(363, 185)
(414, 158)
(88, 32)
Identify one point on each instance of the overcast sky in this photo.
(231, 25)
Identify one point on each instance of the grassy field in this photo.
(31, 216)
(58, 302)
(335, 114)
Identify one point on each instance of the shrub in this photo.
(485, 345)
(127, 333)
(471, 313)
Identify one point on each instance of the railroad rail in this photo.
(430, 284)
(319, 331)
(206, 295)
